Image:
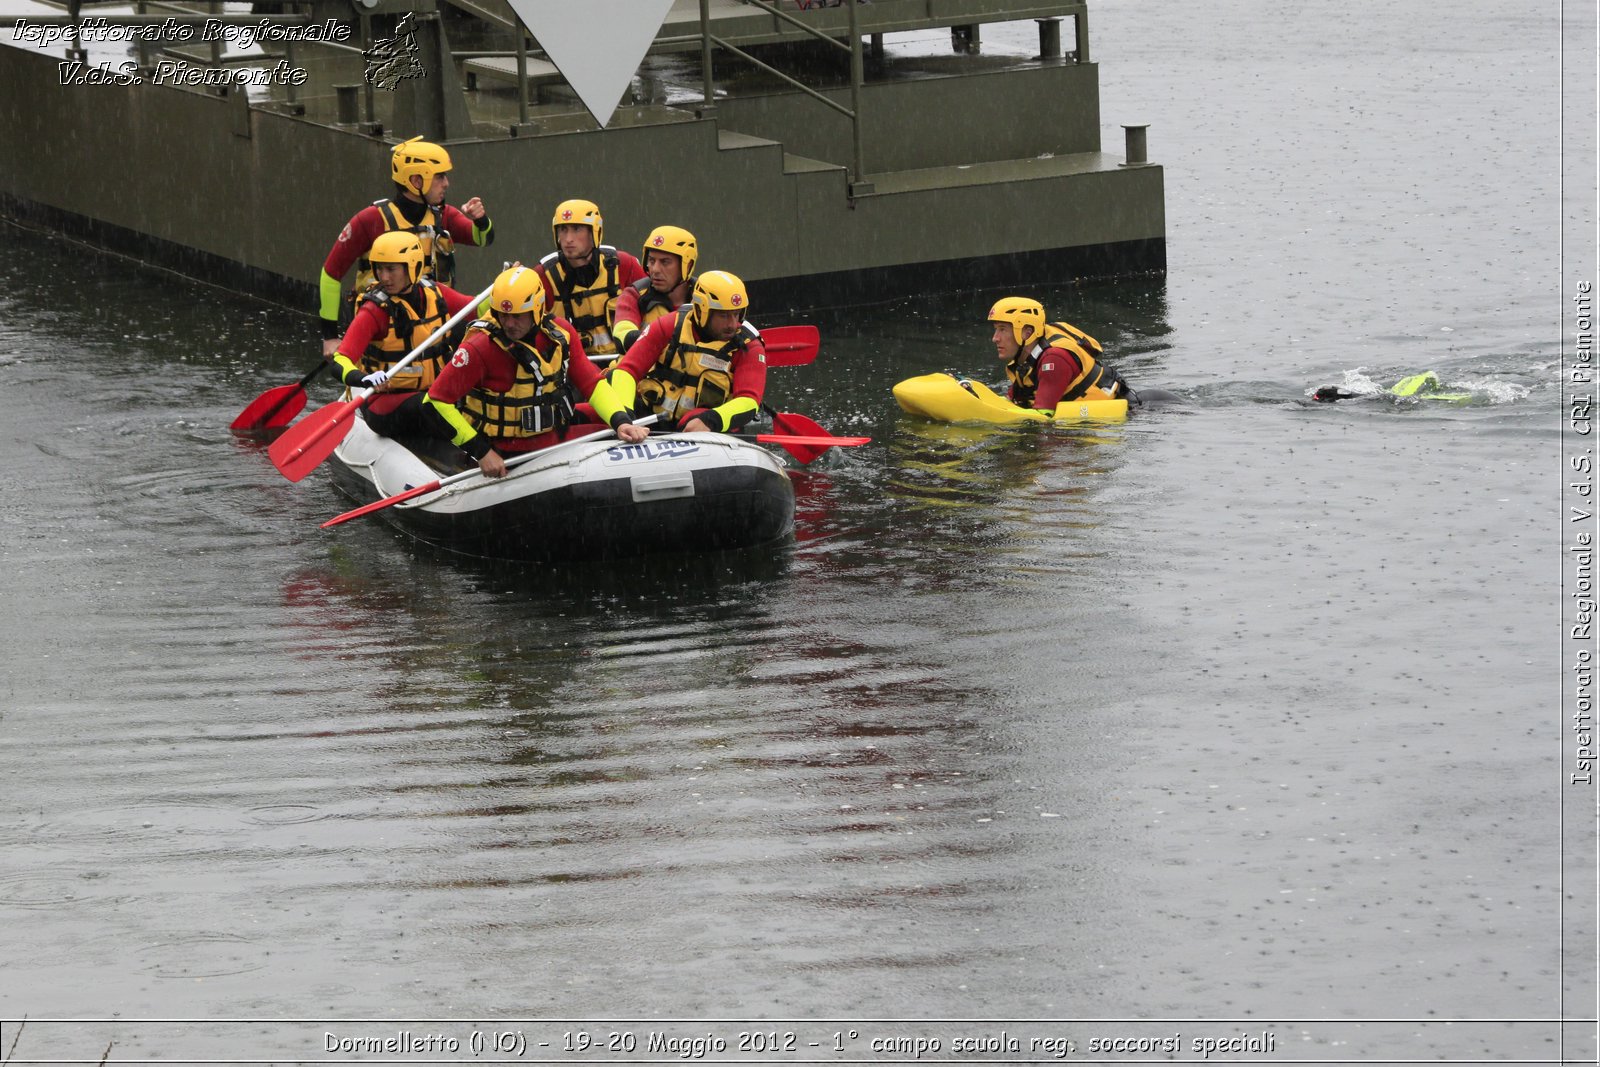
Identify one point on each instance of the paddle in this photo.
(440, 483)
(826, 442)
(799, 428)
(305, 445)
(790, 346)
(787, 346)
(277, 406)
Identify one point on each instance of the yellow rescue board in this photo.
(948, 399)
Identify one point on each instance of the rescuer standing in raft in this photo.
(421, 173)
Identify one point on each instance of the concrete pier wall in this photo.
(252, 199)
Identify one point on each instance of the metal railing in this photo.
(213, 11)
(522, 56)
(709, 42)
(708, 39)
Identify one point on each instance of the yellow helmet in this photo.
(516, 291)
(717, 290)
(677, 240)
(398, 246)
(579, 213)
(417, 158)
(1017, 312)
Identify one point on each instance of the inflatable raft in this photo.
(582, 501)
(950, 399)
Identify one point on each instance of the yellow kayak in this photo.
(949, 399)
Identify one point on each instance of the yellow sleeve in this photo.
(464, 430)
(606, 404)
(623, 387)
(734, 408)
(344, 363)
(331, 292)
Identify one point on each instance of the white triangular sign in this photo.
(597, 45)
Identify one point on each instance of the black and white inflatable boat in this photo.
(584, 500)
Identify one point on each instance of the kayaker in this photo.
(584, 277)
(399, 312)
(1050, 363)
(670, 253)
(421, 174)
(508, 389)
(702, 368)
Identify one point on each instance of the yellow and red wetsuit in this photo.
(1062, 366)
(517, 396)
(673, 371)
(449, 227)
(640, 304)
(587, 296)
(385, 328)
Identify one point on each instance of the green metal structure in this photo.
(805, 156)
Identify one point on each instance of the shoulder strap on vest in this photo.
(611, 265)
(1058, 331)
(669, 352)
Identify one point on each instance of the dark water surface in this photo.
(1243, 710)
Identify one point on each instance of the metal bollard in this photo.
(1135, 146)
(1049, 38)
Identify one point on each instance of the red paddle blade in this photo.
(800, 425)
(379, 505)
(789, 423)
(306, 444)
(803, 453)
(804, 438)
(790, 346)
(273, 408)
